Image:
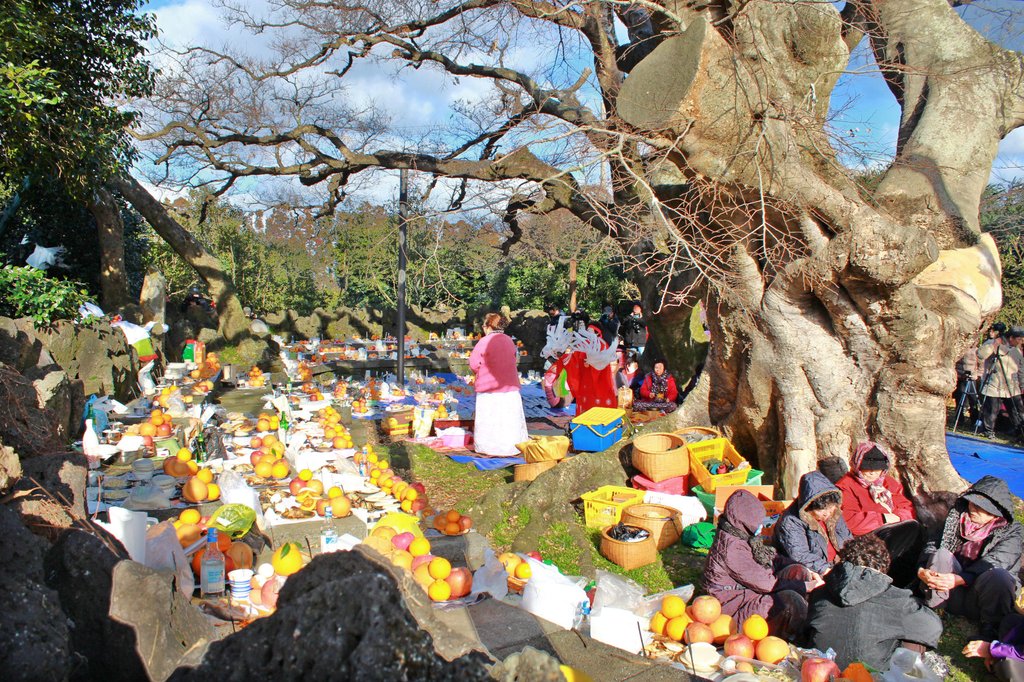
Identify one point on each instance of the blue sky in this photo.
(867, 114)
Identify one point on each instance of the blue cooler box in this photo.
(597, 429)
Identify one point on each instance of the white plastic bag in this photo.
(491, 577)
(146, 383)
(617, 592)
(164, 553)
(908, 666)
(44, 258)
(234, 489)
(552, 596)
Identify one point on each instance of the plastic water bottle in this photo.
(328, 537)
(582, 613)
(211, 574)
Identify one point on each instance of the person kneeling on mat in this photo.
(971, 569)
(873, 502)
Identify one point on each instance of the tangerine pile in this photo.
(452, 523)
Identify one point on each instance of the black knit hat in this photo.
(874, 460)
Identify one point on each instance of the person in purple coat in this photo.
(1003, 656)
(741, 571)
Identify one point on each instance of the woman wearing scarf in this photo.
(658, 392)
(971, 569)
(740, 571)
(873, 502)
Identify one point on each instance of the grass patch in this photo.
(558, 546)
(449, 484)
(652, 577)
(956, 633)
(506, 530)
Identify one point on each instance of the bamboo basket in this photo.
(628, 555)
(660, 456)
(516, 585)
(664, 523)
(528, 472)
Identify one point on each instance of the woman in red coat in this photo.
(873, 502)
(658, 391)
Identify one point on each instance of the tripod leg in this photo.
(960, 408)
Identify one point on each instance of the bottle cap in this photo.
(211, 535)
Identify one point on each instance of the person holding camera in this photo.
(1004, 376)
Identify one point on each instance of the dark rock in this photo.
(529, 665)
(62, 475)
(344, 616)
(80, 568)
(308, 327)
(31, 431)
(276, 321)
(207, 335)
(10, 466)
(59, 394)
(18, 348)
(166, 624)
(34, 640)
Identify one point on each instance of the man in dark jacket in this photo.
(862, 616)
(971, 568)
(812, 530)
(634, 331)
(609, 323)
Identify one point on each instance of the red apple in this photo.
(422, 559)
(321, 507)
(739, 645)
(819, 670)
(147, 440)
(255, 457)
(163, 430)
(295, 485)
(256, 442)
(534, 555)
(419, 487)
(461, 582)
(418, 505)
(403, 540)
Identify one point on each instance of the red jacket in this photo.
(862, 514)
(647, 389)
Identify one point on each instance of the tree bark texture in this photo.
(110, 233)
(232, 322)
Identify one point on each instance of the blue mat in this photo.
(487, 463)
(976, 457)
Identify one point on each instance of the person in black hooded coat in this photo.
(862, 616)
(971, 568)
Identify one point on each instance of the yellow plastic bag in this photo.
(544, 449)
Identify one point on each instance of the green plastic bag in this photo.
(698, 535)
(233, 519)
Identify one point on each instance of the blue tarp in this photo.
(976, 457)
(487, 463)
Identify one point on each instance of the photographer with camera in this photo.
(1004, 377)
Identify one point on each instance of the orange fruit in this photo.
(673, 606)
(452, 528)
(658, 622)
(439, 568)
(305, 474)
(675, 628)
(386, 532)
(453, 516)
(755, 627)
(422, 576)
(279, 470)
(192, 466)
(189, 516)
(287, 559)
(212, 492)
(263, 469)
(382, 464)
(188, 533)
(772, 650)
(439, 590)
(263, 425)
(269, 439)
(335, 491)
(722, 627)
(402, 559)
(147, 429)
(341, 507)
(223, 542)
(156, 413)
(523, 570)
(194, 490)
(419, 547)
(205, 475)
(411, 494)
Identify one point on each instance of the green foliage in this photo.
(27, 292)
(64, 63)
(1002, 214)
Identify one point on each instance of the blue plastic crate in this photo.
(596, 429)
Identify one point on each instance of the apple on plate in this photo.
(819, 670)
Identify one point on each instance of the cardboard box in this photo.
(764, 493)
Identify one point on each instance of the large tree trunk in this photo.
(110, 230)
(233, 324)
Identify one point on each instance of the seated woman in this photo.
(812, 530)
(971, 568)
(862, 616)
(1004, 656)
(658, 391)
(873, 502)
(740, 571)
